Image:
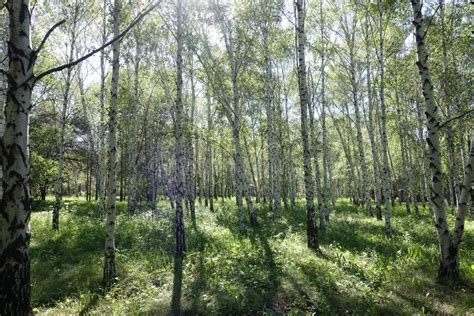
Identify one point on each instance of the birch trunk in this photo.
(67, 86)
(102, 168)
(257, 178)
(424, 157)
(383, 127)
(15, 290)
(347, 153)
(190, 191)
(355, 100)
(406, 175)
(110, 273)
(289, 163)
(311, 229)
(370, 126)
(179, 185)
(326, 180)
(317, 173)
(134, 152)
(453, 169)
(448, 243)
(273, 184)
(209, 157)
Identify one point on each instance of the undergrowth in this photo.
(266, 270)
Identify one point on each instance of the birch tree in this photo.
(15, 292)
(383, 124)
(178, 117)
(311, 229)
(110, 272)
(449, 243)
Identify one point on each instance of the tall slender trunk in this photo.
(133, 150)
(453, 169)
(179, 185)
(355, 100)
(15, 208)
(370, 126)
(110, 273)
(325, 145)
(191, 194)
(273, 183)
(91, 156)
(311, 228)
(62, 130)
(258, 177)
(102, 163)
(347, 153)
(289, 162)
(317, 173)
(209, 157)
(383, 127)
(405, 176)
(424, 157)
(249, 158)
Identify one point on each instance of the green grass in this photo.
(268, 270)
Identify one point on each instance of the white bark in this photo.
(110, 273)
(209, 157)
(273, 183)
(370, 125)
(311, 229)
(325, 145)
(134, 150)
(383, 127)
(179, 183)
(351, 41)
(102, 163)
(448, 243)
(15, 208)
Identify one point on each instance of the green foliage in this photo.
(43, 173)
(268, 270)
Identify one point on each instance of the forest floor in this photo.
(266, 271)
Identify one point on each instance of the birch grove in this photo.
(245, 151)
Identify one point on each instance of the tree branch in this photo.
(95, 51)
(456, 118)
(45, 38)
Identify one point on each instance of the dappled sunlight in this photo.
(268, 269)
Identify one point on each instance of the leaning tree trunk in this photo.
(383, 129)
(15, 209)
(448, 243)
(311, 229)
(110, 273)
(179, 185)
